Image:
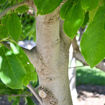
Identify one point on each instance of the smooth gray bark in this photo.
(51, 57)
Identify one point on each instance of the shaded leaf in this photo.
(86, 20)
(74, 20)
(30, 101)
(16, 101)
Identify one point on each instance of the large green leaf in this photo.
(46, 6)
(16, 70)
(74, 20)
(11, 70)
(93, 40)
(89, 4)
(14, 26)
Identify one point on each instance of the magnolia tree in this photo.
(57, 23)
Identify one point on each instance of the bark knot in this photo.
(47, 96)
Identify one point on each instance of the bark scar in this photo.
(47, 96)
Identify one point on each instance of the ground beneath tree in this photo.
(91, 95)
(87, 95)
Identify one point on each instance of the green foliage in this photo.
(28, 27)
(46, 6)
(92, 43)
(16, 101)
(3, 31)
(14, 26)
(30, 101)
(18, 71)
(2, 2)
(8, 3)
(66, 9)
(89, 4)
(4, 90)
(11, 75)
(22, 9)
(73, 20)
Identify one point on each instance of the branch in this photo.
(35, 94)
(12, 8)
(33, 56)
(79, 57)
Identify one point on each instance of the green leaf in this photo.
(65, 9)
(46, 6)
(93, 40)
(31, 74)
(89, 4)
(74, 20)
(29, 101)
(11, 70)
(14, 26)
(3, 31)
(16, 70)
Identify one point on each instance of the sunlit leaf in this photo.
(16, 70)
(93, 40)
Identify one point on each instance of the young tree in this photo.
(57, 22)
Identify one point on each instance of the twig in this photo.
(34, 93)
(12, 8)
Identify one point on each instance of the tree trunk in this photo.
(52, 66)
